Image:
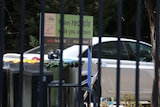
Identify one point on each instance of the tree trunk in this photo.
(150, 6)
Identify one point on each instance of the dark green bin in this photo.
(70, 76)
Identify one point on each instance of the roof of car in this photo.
(95, 40)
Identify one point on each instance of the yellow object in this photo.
(24, 61)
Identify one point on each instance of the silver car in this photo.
(127, 66)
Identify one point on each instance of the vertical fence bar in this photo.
(41, 87)
(119, 51)
(2, 20)
(22, 33)
(100, 32)
(156, 88)
(80, 51)
(138, 33)
(61, 48)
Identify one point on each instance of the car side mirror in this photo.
(54, 54)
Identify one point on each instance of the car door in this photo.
(127, 70)
(109, 69)
(146, 74)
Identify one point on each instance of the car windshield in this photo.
(73, 51)
(47, 48)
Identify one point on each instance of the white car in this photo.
(109, 65)
(127, 66)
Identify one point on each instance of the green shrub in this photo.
(129, 101)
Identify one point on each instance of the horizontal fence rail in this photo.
(40, 85)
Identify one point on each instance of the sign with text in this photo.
(71, 25)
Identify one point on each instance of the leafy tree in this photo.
(32, 16)
(33, 41)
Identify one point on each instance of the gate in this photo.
(80, 90)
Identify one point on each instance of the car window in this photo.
(47, 48)
(145, 51)
(36, 50)
(108, 51)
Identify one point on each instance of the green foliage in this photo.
(91, 7)
(129, 101)
(33, 41)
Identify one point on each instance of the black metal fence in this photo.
(41, 87)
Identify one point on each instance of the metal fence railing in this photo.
(18, 99)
